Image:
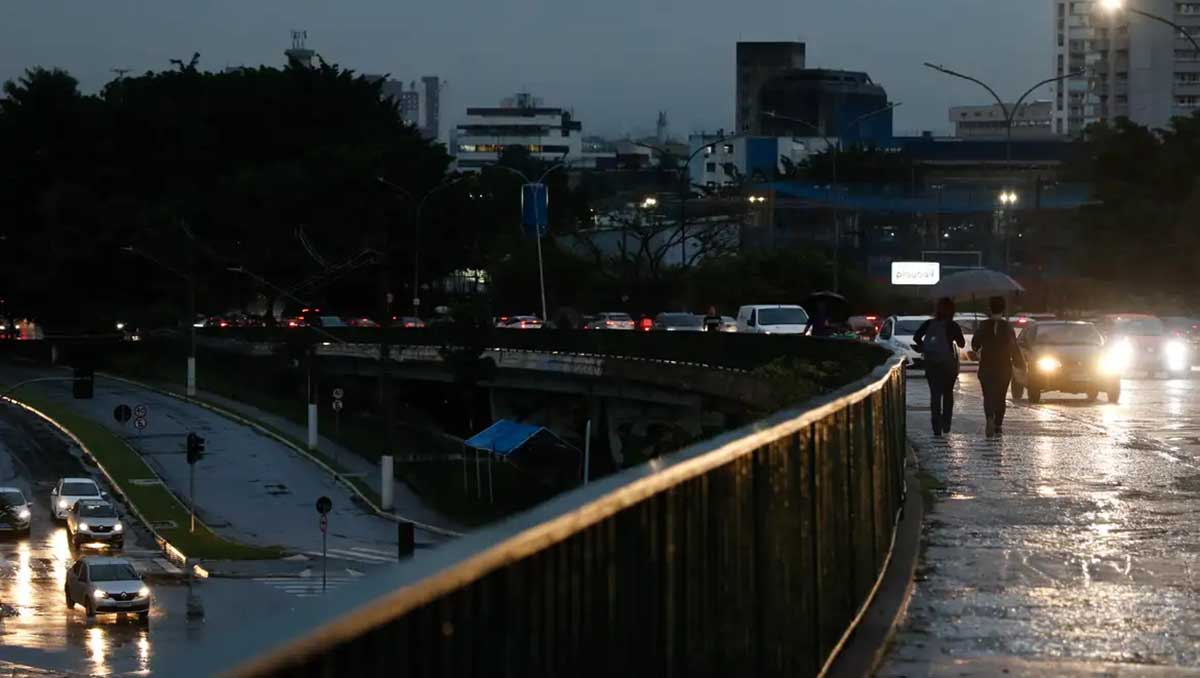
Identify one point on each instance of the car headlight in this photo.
(83, 527)
(1048, 364)
(144, 592)
(23, 514)
(99, 595)
(118, 527)
(63, 504)
(1177, 354)
(1118, 358)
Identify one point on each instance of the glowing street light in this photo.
(757, 199)
(650, 203)
(1115, 6)
(1008, 198)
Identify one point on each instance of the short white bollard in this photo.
(386, 481)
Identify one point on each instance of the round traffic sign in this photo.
(337, 406)
(324, 505)
(140, 411)
(140, 423)
(122, 413)
(338, 393)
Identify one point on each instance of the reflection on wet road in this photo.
(1073, 537)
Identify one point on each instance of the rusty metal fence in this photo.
(750, 554)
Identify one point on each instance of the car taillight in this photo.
(410, 324)
(609, 323)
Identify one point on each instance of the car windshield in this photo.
(1069, 335)
(11, 498)
(908, 328)
(97, 511)
(782, 316)
(80, 488)
(619, 317)
(112, 572)
(1141, 327)
(680, 320)
(331, 321)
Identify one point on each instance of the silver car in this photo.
(70, 490)
(92, 521)
(104, 585)
(14, 511)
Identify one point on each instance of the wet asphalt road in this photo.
(1068, 546)
(37, 629)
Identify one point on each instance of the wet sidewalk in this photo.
(1069, 547)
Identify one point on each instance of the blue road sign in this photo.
(535, 209)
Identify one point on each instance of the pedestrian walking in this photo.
(712, 320)
(938, 340)
(996, 343)
(818, 321)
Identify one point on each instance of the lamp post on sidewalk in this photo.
(834, 147)
(1115, 6)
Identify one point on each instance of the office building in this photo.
(1135, 67)
(1034, 120)
(758, 62)
(842, 105)
(549, 133)
(727, 161)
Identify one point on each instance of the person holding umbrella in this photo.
(996, 343)
(938, 339)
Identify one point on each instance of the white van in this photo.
(772, 319)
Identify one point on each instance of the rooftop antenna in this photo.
(121, 72)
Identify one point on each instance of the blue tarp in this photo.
(504, 437)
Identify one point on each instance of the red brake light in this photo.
(223, 323)
(291, 323)
(872, 318)
(410, 324)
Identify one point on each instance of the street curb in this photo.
(168, 549)
(869, 638)
(375, 508)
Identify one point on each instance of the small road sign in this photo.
(122, 413)
(324, 505)
(337, 406)
(140, 423)
(141, 411)
(338, 393)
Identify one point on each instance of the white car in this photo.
(897, 333)
(772, 319)
(107, 585)
(612, 321)
(92, 521)
(70, 490)
(14, 511)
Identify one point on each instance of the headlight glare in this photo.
(1048, 364)
(99, 595)
(144, 592)
(1177, 355)
(83, 527)
(23, 514)
(63, 504)
(118, 527)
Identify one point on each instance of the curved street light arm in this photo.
(1178, 28)
(956, 74)
(1047, 81)
(872, 114)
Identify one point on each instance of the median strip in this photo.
(152, 503)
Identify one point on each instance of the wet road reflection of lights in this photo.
(143, 646)
(96, 646)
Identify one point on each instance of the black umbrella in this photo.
(836, 306)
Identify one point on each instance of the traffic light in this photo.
(195, 448)
(84, 383)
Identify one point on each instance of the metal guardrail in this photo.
(749, 554)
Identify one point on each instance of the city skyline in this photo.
(615, 64)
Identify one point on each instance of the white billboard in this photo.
(916, 272)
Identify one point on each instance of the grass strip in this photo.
(155, 502)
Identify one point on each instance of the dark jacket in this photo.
(996, 343)
(954, 334)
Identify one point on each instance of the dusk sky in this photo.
(615, 62)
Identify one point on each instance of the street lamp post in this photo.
(417, 232)
(1008, 200)
(541, 270)
(685, 187)
(1114, 6)
(834, 149)
(190, 279)
(1009, 114)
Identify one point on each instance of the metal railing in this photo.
(753, 553)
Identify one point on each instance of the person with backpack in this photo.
(996, 343)
(938, 340)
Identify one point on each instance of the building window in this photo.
(1187, 78)
(728, 149)
(1188, 8)
(1062, 9)
(710, 167)
(1187, 101)
(1186, 55)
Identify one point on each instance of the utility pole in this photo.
(385, 386)
(191, 318)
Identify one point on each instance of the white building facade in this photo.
(1136, 67)
(755, 159)
(1034, 120)
(550, 134)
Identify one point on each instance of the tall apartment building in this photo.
(758, 62)
(1136, 67)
